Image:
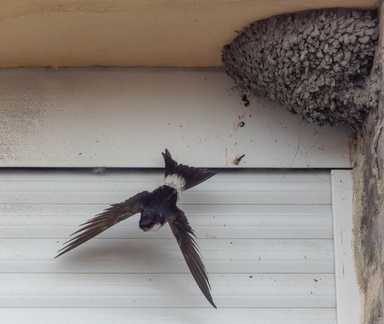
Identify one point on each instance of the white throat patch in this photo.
(175, 181)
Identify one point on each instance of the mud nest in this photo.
(317, 63)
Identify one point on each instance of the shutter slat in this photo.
(316, 267)
(265, 237)
(162, 302)
(225, 231)
(222, 198)
(123, 315)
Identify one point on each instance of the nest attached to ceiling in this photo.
(317, 63)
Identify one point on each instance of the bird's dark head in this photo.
(151, 221)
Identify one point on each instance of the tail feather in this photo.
(192, 176)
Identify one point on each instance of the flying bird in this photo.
(157, 208)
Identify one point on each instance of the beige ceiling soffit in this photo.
(177, 33)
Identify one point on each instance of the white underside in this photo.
(175, 181)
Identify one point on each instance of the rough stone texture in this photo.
(317, 63)
(368, 160)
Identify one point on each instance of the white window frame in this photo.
(349, 299)
(56, 133)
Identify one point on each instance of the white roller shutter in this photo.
(266, 238)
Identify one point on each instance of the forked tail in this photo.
(192, 176)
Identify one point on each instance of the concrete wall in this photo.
(368, 162)
(132, 32)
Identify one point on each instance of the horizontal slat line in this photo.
(227, 316)
(223, 232)
(232, 244)
(116, 187)
(131, 187)
(155, 175)
(173, 266)
(82, 210)
(211, 256)
(222, 315)
(137, 177)
(208, 309)
(105, 205)
(267, 310)
(150, 297)
(160, 278)
(206, 219)
(145, 289)
(185, 195)
(304, 198)
(164, 285)
(137, 302)
(133, 248)
(216, 234)
(142, 291)
(178, 267)
(198, 226)
(171, 302)
(156, 315)
(175, 273)
(225, 186)
(168, 246)
(129, 177)
(191, 193)
(198, 220)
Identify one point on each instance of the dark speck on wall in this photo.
(245, 100)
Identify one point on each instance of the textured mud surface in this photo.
(317, 63)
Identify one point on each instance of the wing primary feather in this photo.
(109, 217)
(185, 235)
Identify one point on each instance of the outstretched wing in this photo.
(109, 217)
(184, 235)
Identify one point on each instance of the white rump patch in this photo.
(154, 228)
(175, 181)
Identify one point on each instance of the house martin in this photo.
(157, 208)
